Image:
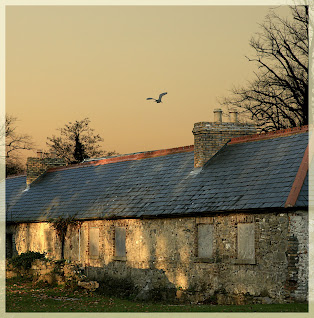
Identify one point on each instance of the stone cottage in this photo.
(225, 219)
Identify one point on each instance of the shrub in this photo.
(118, 287)
(24, 260)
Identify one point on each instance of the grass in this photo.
(23, 295)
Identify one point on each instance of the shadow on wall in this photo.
(118, 279)
(10, 249)
(151, 284)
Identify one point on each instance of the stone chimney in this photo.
(210, 137)
(36, 167)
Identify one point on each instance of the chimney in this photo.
(210, 137)
(36, 167)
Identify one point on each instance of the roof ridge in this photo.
(15, 176)
(270, 134)
(128, 157)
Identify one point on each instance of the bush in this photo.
(25, 260)
(118, 287)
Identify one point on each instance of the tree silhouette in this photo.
(278, 96)
(13, 142)
(79, 151)
(77, 142)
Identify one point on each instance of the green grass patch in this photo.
(25, 296)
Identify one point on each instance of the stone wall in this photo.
(162, 255)
(297, 253)
(49, 271)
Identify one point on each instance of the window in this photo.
(205, 242)
(120, 250)
(93, 242)
(246, 243)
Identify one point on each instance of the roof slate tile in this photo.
(246, 175)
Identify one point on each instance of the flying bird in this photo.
(157, 100)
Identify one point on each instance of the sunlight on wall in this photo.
(138, 245)
(181, 280)
(161, 247)
(185, 249)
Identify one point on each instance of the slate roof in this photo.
(242, 176)
(303, 198)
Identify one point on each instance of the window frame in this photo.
(252, 242)
(205, 259)
(93, 256)
(122, 230)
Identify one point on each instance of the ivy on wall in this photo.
(61, 226)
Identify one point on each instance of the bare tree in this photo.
(277, 97)
(77, 142)
(13, 142)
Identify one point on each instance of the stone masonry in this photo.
(162, 255)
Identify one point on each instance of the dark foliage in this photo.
(13, 167)
(119, 287)
(24, 260)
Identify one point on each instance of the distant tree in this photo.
(77, 142)
(278, 96)
(14, 142)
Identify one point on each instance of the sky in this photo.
(66, 63)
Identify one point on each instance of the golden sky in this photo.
(65, 63)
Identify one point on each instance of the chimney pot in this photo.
(233, 116)
(39, 154)
(53, 154)
(218, 115)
